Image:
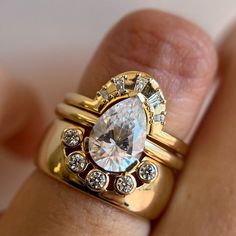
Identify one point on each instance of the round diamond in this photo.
(97, 180)
(117, 139)
(71, 137)
(76, 162)
(147, 172)
(125, 184)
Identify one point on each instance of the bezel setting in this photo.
(76, 161)
(97, 180)
(148, 171)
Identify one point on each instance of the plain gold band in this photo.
(154, 150)
(76, 115)
(83, 102)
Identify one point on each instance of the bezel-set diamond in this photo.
(72, 137)
(97, 180)
(148, 172)
(125, 184)
(76, 162)
(128, 110)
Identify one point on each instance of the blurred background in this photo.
(45, 43)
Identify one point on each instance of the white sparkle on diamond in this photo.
(117, 139)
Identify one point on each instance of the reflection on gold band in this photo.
(76, 115)
(171, 142)
(81, 101)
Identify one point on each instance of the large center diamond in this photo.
(117, 139)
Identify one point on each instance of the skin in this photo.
(19, 127)
(184, 60)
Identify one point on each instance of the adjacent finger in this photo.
(160, 44)
(19, 115)
(205, 201)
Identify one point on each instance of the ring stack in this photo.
(113, 147)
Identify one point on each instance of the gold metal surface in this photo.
(171, 142)
(166, 157)
(76, 115)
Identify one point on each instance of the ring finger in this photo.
(166, 47)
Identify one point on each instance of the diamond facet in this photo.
(148, 172)
(117, 139)
(125, 184)
(76, 162)
(71, 137)
(96, 180)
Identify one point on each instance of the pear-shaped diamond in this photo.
(117, 139)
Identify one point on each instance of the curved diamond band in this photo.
(113, 147)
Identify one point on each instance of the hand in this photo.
(184, 59)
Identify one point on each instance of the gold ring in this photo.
(113, 147)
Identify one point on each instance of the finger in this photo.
(176, 52)
(205, 201)
(19, 115)
(160, 44)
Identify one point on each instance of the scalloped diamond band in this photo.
(114, 147)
